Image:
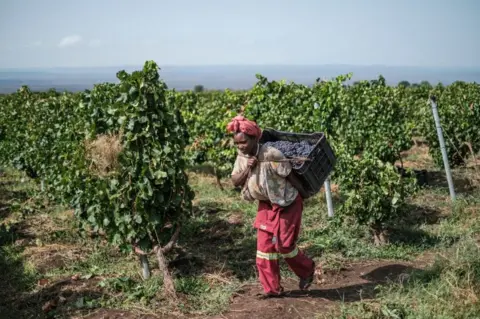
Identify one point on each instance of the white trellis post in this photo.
(328, 196)
(442, 147)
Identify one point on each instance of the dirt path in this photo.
(355, 283)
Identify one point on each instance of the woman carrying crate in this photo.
(266, 175)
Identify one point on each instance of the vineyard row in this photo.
(118, 153)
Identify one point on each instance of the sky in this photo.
(93, 33)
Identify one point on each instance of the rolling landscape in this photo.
(236, 77)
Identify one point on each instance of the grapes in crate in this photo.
(293, 150)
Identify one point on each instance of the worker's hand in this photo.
(252, 161)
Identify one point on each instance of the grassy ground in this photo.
(430, 269)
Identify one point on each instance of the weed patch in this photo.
(448, 289)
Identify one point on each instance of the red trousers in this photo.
(277, 232)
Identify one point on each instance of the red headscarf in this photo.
(239, 124)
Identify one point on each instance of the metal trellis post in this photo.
(442, 147)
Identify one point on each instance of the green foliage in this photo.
(162, 131)
(370, 119)
(191, 286)
(459, 109)
(364, 120)
(374, 191)
(206, 116)
(281, 106)
(365, 117)
(143, 191)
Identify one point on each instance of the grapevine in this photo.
(118, 153)
(114, 153)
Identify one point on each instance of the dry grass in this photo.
(417, 157)
(51, 256)
(103, 152)
(473, 166)
(333, 187)
(236, 218)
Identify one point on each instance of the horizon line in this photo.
(239, 65)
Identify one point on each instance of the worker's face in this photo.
(245, 144)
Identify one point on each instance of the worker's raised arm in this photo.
(239, 178)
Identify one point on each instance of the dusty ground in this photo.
(355, 283)
(348, 285)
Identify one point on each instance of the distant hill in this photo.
(222, 77)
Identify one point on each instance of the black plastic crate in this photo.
(319, 164)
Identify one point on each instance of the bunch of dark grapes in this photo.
(292, 150)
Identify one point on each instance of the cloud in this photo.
(36, 44)
(69, 41)
(94, 43)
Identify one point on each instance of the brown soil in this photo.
(417, 157)
(48, 297)
(348, 285)
(352, 284)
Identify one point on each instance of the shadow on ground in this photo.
(14, 280)
(408, 231)
(357, 292)
(22, 295)
(357, 283)
(215, 244)
(461, 181)
(10, 230)
(62, 299)
(421, 214)
(7, 195)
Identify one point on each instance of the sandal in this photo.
(305, 283)
(269, 295)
